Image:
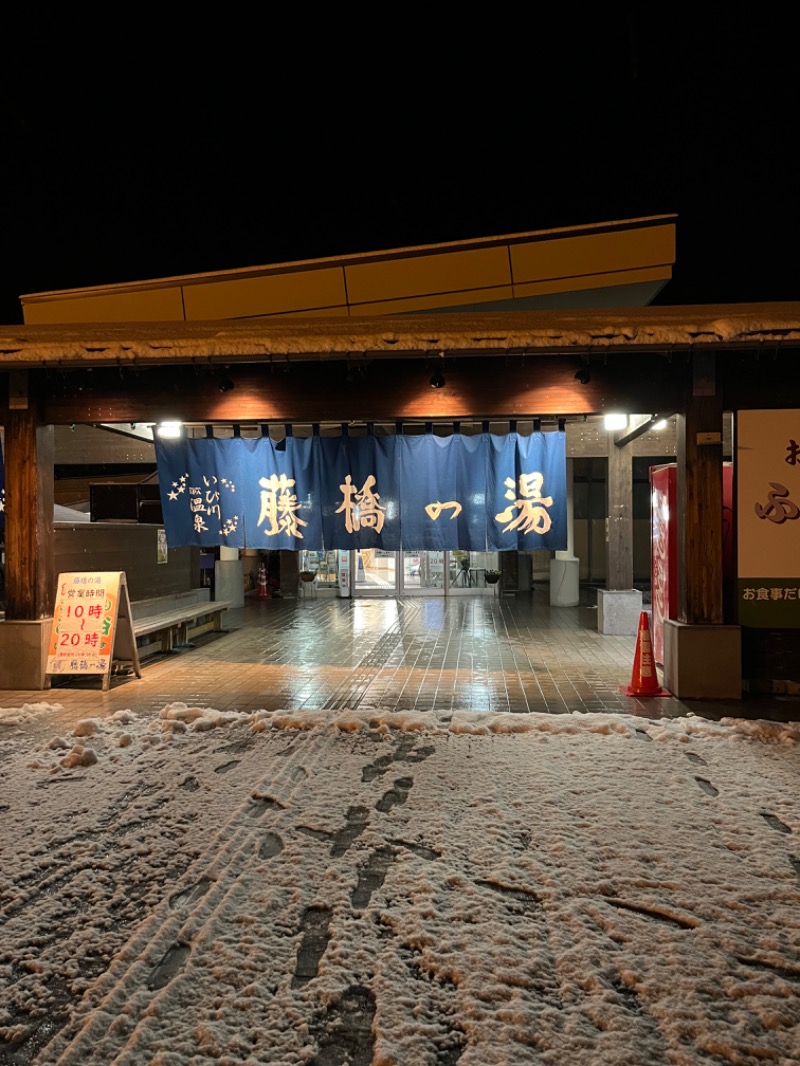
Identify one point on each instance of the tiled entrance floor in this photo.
(491, 653)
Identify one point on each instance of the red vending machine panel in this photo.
(664, 545)
(663, 552)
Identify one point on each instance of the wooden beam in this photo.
(378, 391)
(644, 423)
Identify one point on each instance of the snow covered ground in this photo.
(397, 889)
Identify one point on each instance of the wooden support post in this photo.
(30, 564)
(699, 499)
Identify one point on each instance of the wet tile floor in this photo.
(484, 653)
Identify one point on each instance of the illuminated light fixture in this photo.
(614, 421)
(583, 375)
(169, 430)
(226, 385)
(661, 424)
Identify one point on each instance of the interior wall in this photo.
(130, 547)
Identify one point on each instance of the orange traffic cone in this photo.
(263, 587)
(644, 681)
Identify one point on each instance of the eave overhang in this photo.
(591, 333)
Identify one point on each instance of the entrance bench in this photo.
(164, 623)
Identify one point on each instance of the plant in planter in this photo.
(492, 577)
(307, 575)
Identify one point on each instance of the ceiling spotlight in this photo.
(169, 430)
(226, 385)
(615, 421)
(583, 376)
(437, 380)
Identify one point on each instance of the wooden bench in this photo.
(165, 623)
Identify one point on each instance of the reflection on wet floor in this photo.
(486, 653)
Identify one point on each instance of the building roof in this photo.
(654, 329)
(607, 264)
(580, 289)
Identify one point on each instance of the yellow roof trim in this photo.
(414, 278)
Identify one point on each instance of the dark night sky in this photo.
(139, 155)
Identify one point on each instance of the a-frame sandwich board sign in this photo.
(92, 625)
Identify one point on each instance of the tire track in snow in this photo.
(205, 889)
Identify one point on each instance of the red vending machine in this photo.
(663, 552)
(664, 545)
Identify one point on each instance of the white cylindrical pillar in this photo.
(565, 567)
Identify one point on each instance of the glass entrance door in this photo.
(375, 572)
(423, 573)
(472, 573)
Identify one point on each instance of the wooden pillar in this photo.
(699, 498)
(619, 548)
(30, 565)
